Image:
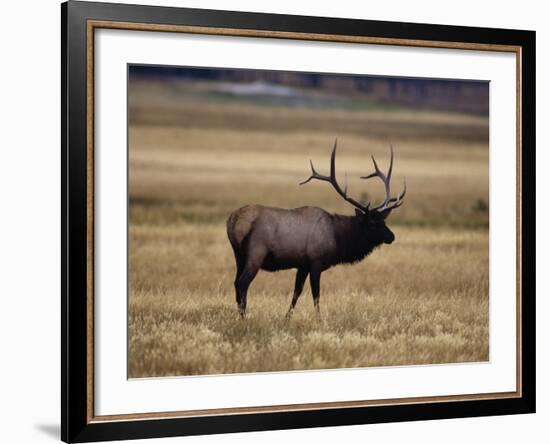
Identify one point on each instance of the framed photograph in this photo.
(276, 221)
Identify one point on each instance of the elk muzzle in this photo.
(389, 237)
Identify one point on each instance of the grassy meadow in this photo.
(194, 157)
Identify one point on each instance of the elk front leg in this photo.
(301, 276)
(315, 282)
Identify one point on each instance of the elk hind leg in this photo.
(249, 272)
(239, 261)
(315, 282)
(301, 276)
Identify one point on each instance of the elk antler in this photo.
(332, 180)
(390, 203)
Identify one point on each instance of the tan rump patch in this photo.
(243, 219)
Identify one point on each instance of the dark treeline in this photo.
(450, 95)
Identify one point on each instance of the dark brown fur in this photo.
(307, 238)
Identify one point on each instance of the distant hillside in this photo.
(450, 95)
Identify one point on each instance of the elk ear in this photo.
(385, 213)
(358, 212)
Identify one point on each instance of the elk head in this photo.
(374, 217)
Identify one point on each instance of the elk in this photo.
(308, 238)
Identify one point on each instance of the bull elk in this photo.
(308, 238)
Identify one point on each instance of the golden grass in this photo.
(174, 171)
(422, 300)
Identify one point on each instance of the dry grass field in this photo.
(193, 159)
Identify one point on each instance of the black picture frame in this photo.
(76, 423)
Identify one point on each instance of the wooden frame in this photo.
(79, 21)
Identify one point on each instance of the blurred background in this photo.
(204, 142)
(225, 138)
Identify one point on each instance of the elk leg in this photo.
(243, 282)
(315, 282)
(301, 276)
(240, 265)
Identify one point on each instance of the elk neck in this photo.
(353, 239)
